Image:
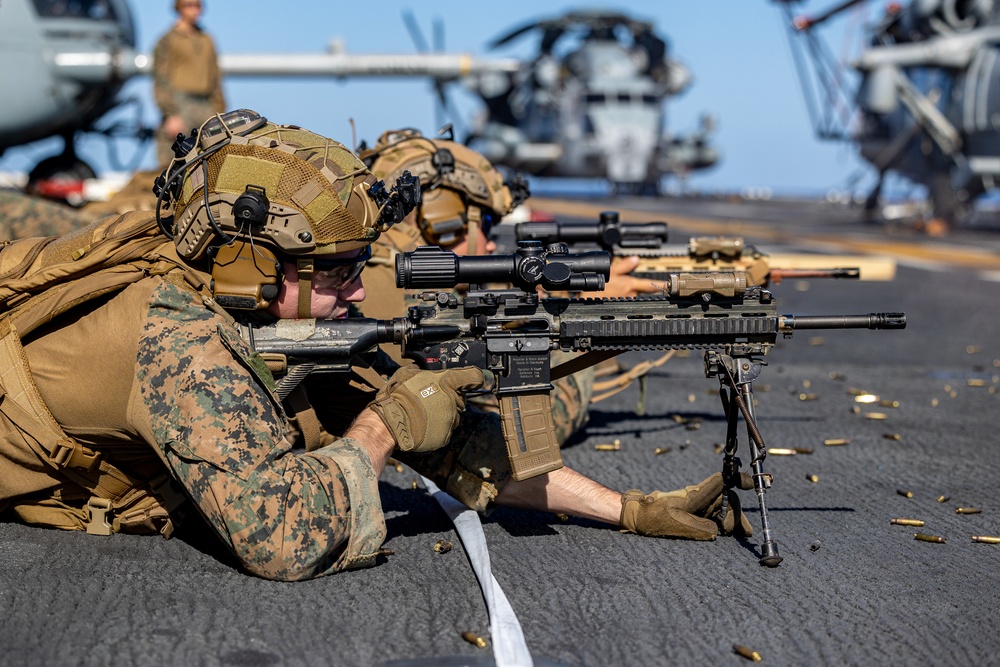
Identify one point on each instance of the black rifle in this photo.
(511, 332)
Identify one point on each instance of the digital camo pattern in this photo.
(23, 216)
(286, 516)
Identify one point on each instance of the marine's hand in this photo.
(620, 283)
(421, 408)
(173, 125)
(691, 513)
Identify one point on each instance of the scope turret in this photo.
(608, 232)
(552, 268)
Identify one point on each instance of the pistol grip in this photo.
(530, 435)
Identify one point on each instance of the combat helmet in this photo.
(461, 188)
(246, 194)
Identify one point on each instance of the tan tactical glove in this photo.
(691, 512)
(421, 408)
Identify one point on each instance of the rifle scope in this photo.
(552, 268)
(607, 232)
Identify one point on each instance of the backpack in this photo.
(40, 279)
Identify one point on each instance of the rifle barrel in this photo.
(875, 321)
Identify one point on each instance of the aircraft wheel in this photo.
(60, 177)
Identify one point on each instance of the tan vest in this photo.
(46, 476)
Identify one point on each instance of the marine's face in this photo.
(330, 298)
(484, 246)
(190, 10)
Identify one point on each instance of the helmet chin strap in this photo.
(473, 216)
(305, 267)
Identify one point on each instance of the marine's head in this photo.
(464, 195)
(249, 197)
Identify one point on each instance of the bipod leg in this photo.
(761, 481)
(730, 462)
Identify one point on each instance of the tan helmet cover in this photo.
(317, 191)
(473, 177)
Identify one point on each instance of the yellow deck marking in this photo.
(973, 258)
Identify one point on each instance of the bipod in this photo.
(736, 376)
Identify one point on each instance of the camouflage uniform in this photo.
(25, 216)
(186, 82)
(166, 374)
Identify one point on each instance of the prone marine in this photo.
(128, 397)
(463, 198)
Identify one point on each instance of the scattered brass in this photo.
(973, 349)
(917, 523)
(975, 382)
(880, 416)
(992, 390)
(866, 398)
(943, 499)
(442, 546)
(692, 426)
(934, 402)
(986, 539)
(719, 446)
(747, 652)
(778, 451)
(996, 363)
(414, 485)
(836, 376)
(889, 404)
(762, 387)
(392, 462)
(562, 517)
(692, 398)
(474, 639)
(947, 388)
(662, 450)
(803, 450)
(609, 447)
(855, 410)
(385, 552)
(905, 494)
(816, 341)
(806, 384)
(953, 394)
(808, 397)
(679, 419)
(836, 442)
(854, 391)
(967, 510)
(813, 478)
(928, 538)
(892, 436)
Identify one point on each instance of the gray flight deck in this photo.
(852, 590)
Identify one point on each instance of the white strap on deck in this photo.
(509, 647)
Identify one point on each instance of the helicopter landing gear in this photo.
(61, 177)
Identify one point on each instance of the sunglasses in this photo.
(343, 271)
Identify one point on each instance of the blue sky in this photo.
(737, 50)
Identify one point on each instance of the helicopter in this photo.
(590, 108)
(64, 65)
(589, 105)
(921, 100)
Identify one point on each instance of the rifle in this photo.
(648, 241)
(510, 333)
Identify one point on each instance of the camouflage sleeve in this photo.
(162, 91)
(570, 399)
(205, 406)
